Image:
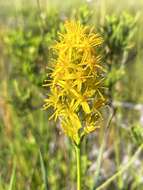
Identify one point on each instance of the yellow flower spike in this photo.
(76, 81)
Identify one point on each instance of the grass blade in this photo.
(44, 171)
(12, 179)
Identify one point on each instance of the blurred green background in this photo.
(34, 153)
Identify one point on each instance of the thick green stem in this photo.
(78, 158)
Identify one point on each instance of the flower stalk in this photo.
(78, 163)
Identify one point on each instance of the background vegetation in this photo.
(34, 153)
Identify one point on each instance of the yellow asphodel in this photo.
(76, 81)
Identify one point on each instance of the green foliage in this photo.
(29, 45)
(83, 14)
(118, 32)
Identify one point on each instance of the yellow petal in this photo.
(85, 107)
(90, 129)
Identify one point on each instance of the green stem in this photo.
(78, 159)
